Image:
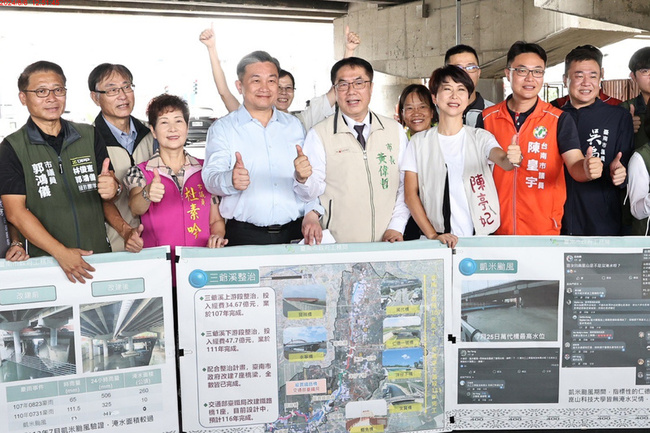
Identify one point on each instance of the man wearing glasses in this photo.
(50, 182)
(352, 163)
(128, 141)
(532, 197)
(466, 58)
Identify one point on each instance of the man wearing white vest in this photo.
(350, 161)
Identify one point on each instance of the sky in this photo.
(159, 51)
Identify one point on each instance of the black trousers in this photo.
(241, 233)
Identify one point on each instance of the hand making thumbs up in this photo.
(240, 178)
(156, 187)
(593, 165)
(514, 151)
(617, 170)
(107, 185)
(302, 165)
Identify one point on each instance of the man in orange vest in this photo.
(532, 196)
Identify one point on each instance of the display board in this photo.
(501, 333)
(554, 334)
(333, 338)
(95, 357)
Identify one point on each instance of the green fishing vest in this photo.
(62, 190)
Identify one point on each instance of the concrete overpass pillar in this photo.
(386, 92)
(18, 350)
(15, 328)
(129, 346)
(54, 325)
(105, 357)
(104, 339)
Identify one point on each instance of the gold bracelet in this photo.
(17, 244)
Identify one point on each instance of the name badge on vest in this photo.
(84, 173)
(44, 176)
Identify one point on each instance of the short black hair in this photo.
(353, 62)
(422, 92)
(105, 70)
(285, 73)
(522, 47)
(582, 53)
(458, 49)
(640, 60)
(255, 57)
(40, 66)
(165, 103)
(452, 72)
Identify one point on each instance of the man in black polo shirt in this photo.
(594, 208)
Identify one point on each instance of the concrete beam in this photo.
(629, 13)
(406, 42)
(410, 40)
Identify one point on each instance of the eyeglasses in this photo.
(287, 89)
(523, 72)
(409, 109)
(343, 86)
(114, 91)
(645, 72)
(470, 68)
(44, 93)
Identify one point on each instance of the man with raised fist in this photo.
(250, 162)
(50, 183)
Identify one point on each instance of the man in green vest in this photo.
(50, 179)
(351, 163)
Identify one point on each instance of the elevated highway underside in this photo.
(408, 39)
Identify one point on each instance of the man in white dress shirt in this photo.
(249, 162)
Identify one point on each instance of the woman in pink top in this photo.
(167, 190)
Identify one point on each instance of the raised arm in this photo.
(208, 39)
(582, 168)
(507, 160)
(352, 41)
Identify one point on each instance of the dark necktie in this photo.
(359, 129)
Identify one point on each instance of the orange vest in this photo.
(532, 196)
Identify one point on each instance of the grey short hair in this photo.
(255, 57)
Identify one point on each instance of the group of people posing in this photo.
(456, 166)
